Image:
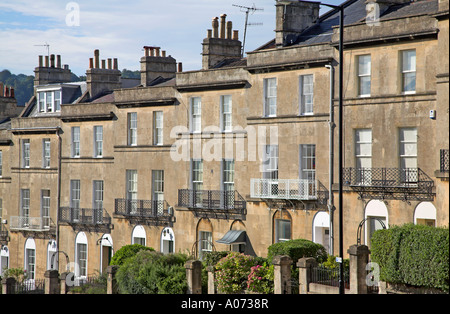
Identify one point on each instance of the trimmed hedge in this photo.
(413, 254)
(126, 252)
(297, 249)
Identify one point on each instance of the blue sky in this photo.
(120, 29)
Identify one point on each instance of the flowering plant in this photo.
(260, 279)
(232, 272)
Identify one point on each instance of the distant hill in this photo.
(23, 84)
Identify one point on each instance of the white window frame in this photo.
(281, 226)
(270, 97)
(306, 94)
(81, 256)
(45, 208)
(364, 74)
(270, 163)
(26, 152)
(49, 100)
(75, 194)
(226, 113)
(408, 151)
(158, 125)
(132, 128)
(76, 141)
(30, 259)
(205, 243)
(359, 143)
(97, 194)
(98, 141)
(195, 115)
(228, 171)
(308, 162)
(408, 70)
(46, 153)
(25, 204)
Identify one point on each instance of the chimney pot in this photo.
(209, 33)
(1, 89)
(157, 51)
(58, 61)
(6, 91)
(46, 61)
(223, 18)
(235, 35)
(215, 26)
(97, 58)
(116, 64)
(109, 64)
(52, 61)
(103, 64)
(180, 67)
(229, 29)
(163, 53)
(91, 63)
(40, 61)
(11, 92)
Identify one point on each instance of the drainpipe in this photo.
(332, 125)
(58, 200)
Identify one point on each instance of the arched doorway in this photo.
(425, 214)
(321, 229)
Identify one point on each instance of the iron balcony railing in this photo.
(387, 178)
(84, 216)
(31, 223)
(212, 200)
(143, 208)
(444, 160)
(289, 189)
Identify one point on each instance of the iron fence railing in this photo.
(444, 160)
(212, 200)
(84, 216)
(34, 286)
(142, 208)
(387, 178)
(329, 276)
(291, 189)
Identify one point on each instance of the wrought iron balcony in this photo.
(213, 203)
(389, 183)
(84, 216)
(444, 160)
(150, 211)
(35, 224)
(287, 189)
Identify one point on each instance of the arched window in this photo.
(321, 229)
(81, 256)
(282, 226)
(4, 259)
(30, 259)
(376, 210)
(51, 251)
(139, 236)
(204, 237)
(425, 214)
(167, 241)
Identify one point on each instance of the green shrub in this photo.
(260, 279)
(413, 254)
(297, 249)
(150, 272)
(232, 272)
(213, 257)
(127, 251)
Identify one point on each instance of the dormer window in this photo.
(49, 101)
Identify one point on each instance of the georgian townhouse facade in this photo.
(239, 154)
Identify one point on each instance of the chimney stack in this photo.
(155, 63)
(293, 17)
(47, 72)
(218, 47)
(101, 80)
